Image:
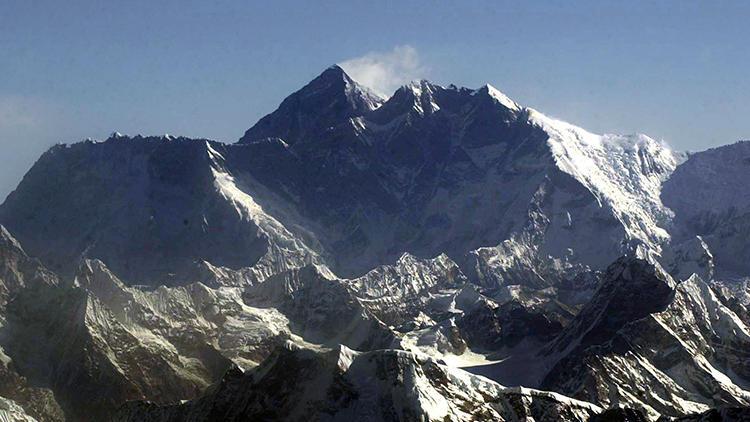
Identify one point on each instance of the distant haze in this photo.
(71, 70)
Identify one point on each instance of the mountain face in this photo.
(335, 177)
(328, 100)
(148, 207)
(442, 254)
(647, 342)
(343, 385)
(20, 398)
(709, 198)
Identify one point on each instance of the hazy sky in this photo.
(77, 69)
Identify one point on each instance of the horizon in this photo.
(671, 70)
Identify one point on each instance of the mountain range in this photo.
(441, 254)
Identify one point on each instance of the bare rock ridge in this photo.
(646, 342)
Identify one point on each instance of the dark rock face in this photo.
(325, 102)
(643, 340)
(632, 289)
(619, 415)
(377, 179)
(729, 414)
(506, 326)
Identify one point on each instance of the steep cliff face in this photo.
(92, 361)
(331, 98)
(20, 397)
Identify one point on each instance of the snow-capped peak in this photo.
(498, 96)
(327, 100)
(421, 94)
(357, 94)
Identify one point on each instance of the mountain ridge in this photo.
(376, 182)
(419, 240)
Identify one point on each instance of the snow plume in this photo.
(384, 72)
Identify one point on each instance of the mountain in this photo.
(147, 207)
(441, 254)
(343, 385)
(11, 411)
(68, 340)
(725, 414)
(647, 342)
(20, 397)
(707, 196)
(338, 177)
(326, 101)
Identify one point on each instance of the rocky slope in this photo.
(342, 385)
(646, 342)
(147, 207)
(18, 273)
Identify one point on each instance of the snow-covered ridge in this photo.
(464, 167)
(285, 250)
(501, 98)
(624, 172)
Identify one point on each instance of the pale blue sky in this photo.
(675, 70)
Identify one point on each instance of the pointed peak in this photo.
(335, 82)
(417, 95)
(332, 81)
(498, 96)
(330, 99)
(344, 357)
(94, 275)
(420, 87)
(334, 72)
(335, 68)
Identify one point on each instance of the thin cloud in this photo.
(384, 72)
(18, 112)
